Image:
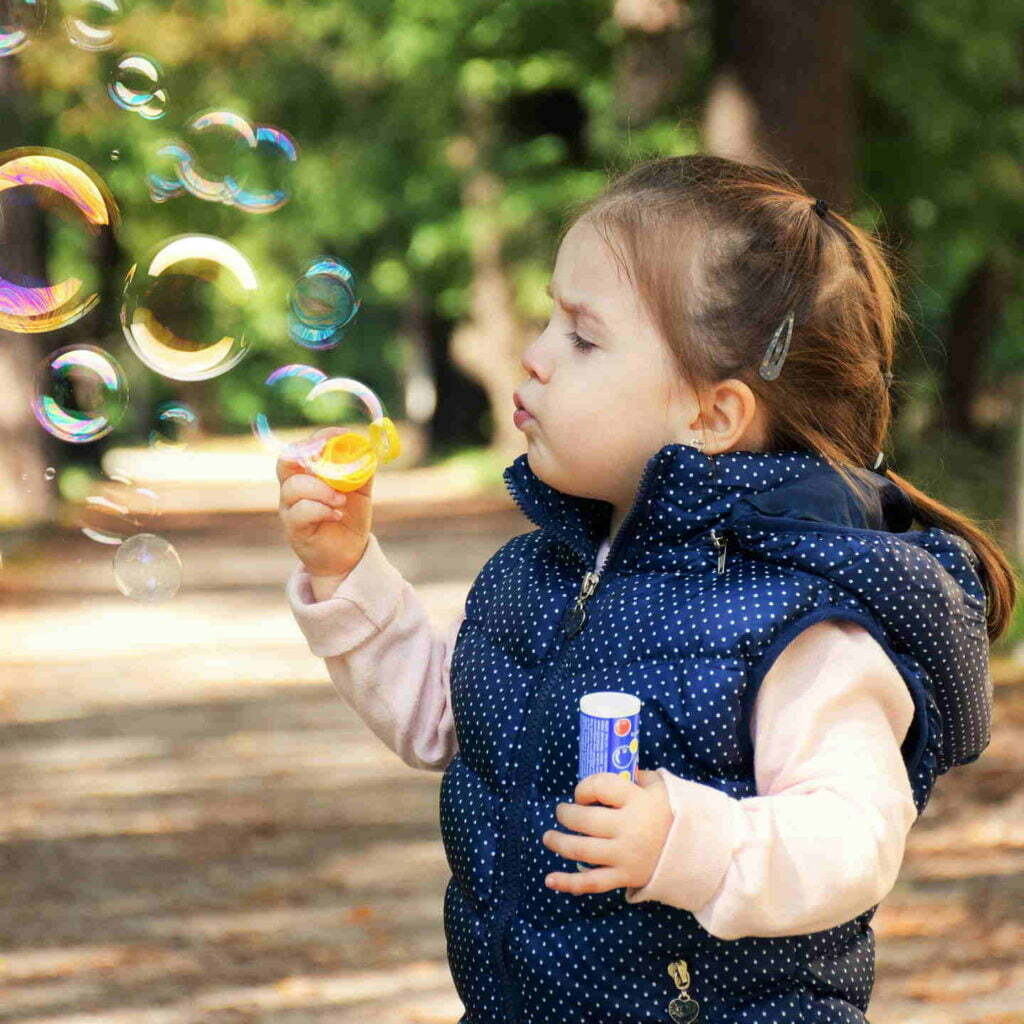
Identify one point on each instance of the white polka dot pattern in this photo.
(693, 643)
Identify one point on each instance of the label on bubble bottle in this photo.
(609, 737)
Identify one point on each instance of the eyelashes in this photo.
(578, 343)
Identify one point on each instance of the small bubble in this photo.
(81, 393)
(147, 568)
(49, 473)
(136, 86)
(19, 19)
(92, 24)
(176, 426)
(323, 303)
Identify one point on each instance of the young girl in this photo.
(717, 535)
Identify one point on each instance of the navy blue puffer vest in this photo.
(720, 563)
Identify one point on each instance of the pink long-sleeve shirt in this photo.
(821, 842)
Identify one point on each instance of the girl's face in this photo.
(602, 388)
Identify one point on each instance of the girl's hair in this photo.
(718, 252)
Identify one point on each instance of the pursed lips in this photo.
(520, 404)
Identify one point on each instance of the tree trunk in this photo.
(26, 497)
(781, 90)
(649, 65)
(973, 319)
(488, 345)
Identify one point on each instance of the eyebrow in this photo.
(579, 309)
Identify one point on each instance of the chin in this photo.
(558, 481)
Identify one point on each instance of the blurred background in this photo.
(195, 827)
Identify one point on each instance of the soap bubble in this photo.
(230, 158)
(147, 568)
(290, 386)
(135, 86)
(90, 23)
(185, 307)
(222, 138)
(49, 473)
(80, 393)
(104, 520)
(168, 184)
(351, 456)
(36, 180)
(176, 426)
(116, 509)
(323, 303)
(18, 20)
(265, 166)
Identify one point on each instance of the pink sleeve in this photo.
(382, 654)
(824, 838)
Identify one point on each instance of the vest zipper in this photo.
(576, 615)
(719, 543)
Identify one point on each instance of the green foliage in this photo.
(941, 137)
(378, 96)
(375, 96)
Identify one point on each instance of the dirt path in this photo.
(195, 828)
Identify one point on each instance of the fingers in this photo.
(604, 788)
(287, 461)
(303, 485)
(305, 514)
(576, 847)
(591, 880)
(594, 821)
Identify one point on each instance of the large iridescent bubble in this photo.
(80, 393)
(185, 307)
(229, 159)
(48, 181)
(323, 303)
(18, 20)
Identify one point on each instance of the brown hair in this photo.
(719, 251)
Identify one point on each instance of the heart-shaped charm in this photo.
(683, 1011)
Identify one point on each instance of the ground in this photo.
(197, 829)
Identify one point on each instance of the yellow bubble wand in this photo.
(349, 459)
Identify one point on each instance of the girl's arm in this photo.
(382, 654)
(824, 838)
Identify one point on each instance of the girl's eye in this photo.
(581, 344)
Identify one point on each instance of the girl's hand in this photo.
(626, 837)
(327, 529)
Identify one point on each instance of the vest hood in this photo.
(792, 508)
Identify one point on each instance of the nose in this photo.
(530, 361)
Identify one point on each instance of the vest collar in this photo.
(684, 493)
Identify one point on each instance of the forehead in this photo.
(585, 267)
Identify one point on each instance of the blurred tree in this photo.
(781, 86)
(25, 449)
(441, 143)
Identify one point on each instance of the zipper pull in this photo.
(576, 615)
(684, 1009)
(719, 543)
